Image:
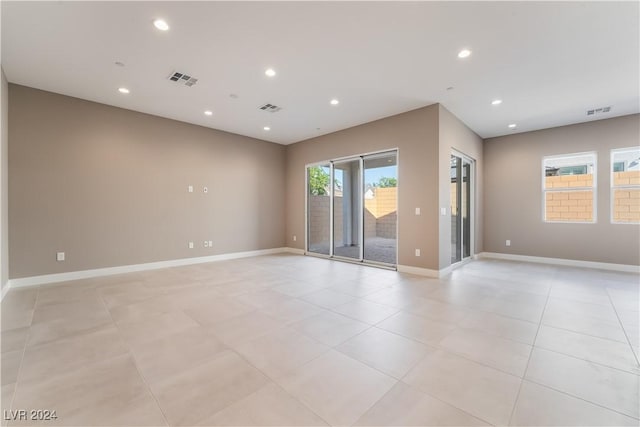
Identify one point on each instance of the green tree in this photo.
(385, 182)
(318, 181)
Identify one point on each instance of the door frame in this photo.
(472, 208)
(360, 261)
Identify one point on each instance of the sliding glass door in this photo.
(347, 209)
(352, 208)
(461, 207)
(380, 202)
(318, 209)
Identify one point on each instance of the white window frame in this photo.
(619, 187)
(593, 188)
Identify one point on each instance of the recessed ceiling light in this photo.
(334, 102)
(512, 126)
(270, 72)
(208, 113)
(267, 128)
(123, 90)
(464, 53)
(161, 24)
(496, 102)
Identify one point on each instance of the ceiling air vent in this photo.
(270, 108)
(183, 79)
(598, 111)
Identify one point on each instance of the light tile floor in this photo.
(292, 340)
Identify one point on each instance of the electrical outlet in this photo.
(417, 211)
(508, 243)
(210, 243)
(443, 211)
(417, 252)
(206, 244)
(295, 237)
(60, 256)
(190, 245)
(190, 189)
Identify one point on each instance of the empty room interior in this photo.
(320, 213)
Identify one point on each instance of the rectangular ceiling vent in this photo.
(598, 111)
(183, 79)
(270, 108)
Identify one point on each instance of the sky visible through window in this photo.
(372, 176)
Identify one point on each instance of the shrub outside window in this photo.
(568, 188)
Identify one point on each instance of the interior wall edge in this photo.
(4, 183)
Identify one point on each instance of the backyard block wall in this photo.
(626, 201)
(569, 205)
(578, 205)
(380, 216)
(319, 230)
(383, 208)
(569, 181)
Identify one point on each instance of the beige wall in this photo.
(455, 135)
(415, 134)
(4, 183)
(513, 172)
(108, 186)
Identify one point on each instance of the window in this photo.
(625, 185)
(568, 188)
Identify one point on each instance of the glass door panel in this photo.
(318, 209)
(466, 208)
(380, 207)
(456, 200)
(461, 207)
(347, 209)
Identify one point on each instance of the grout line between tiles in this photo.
(274, 381)
(24, 351)
(585, 334)
(633, 351)
(580, 398)
(524, 374)
(135, 363)
(399, 380)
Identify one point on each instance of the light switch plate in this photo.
(60, 256)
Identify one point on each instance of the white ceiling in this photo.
(548, 61)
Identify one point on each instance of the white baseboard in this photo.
(561, 261)
(294, 251)
(5, 289)
(109, 271)
(418, 271)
